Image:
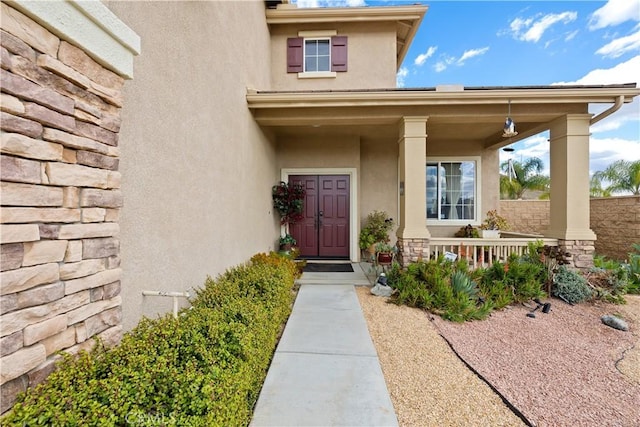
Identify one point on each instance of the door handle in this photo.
(320, 215)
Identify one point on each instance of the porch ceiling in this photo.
(467, 115)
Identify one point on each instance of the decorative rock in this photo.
(26, 89)
(87, 267)
(40, 295)
(76, 175)
(23, 146)
(73, 141)
(49, 231)
(45, 329)
(90, 197)
(615, 322)
(15, 194)
(13, 233)
(11, 104)
(88, 310)
(16, 169)
(83, 231)
(71, 197)
(8, 303)
(49, 117)
(43, 252)
(97, 133)
(17, 46)
(93, 214)
(11, 123)
(11, 389)
(11, 343)
(74, 251)
(100, 248)
(11, 255)
(21, 362)
(29, 31)
(381, 288)
(26, 278)
(99, 279)
(24, 215)
(97, 160)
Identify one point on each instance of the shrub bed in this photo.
(204, 368)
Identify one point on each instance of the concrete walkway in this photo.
(325, 371)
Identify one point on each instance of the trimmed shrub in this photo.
(570, 286)
(205, 368)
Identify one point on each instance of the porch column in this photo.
(413, 236)
(569, 156)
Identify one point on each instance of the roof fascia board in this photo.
(344, 14)
(390, 98)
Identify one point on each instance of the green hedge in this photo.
(205, 368)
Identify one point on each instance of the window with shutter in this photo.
(317, 55)
(339, 53)
(295, 56)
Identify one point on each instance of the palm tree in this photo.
(527, 178)
(623, 176)
(596, 189)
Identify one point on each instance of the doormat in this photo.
(328, 268)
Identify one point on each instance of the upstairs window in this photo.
(317, 54)
(452, 189)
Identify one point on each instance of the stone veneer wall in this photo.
(60, 202)
(615, 220)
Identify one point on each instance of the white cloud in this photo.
(447, 60)
(401, 75)
(420, 59)
(620, 46)
(603, 152)
(532, 30)
(571, 35)
(624, 72)
(615, 12)
(471, 53)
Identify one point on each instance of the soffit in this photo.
(474, 114)
(407, 19)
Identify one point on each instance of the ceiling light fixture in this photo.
(509, 125)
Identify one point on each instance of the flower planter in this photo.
(385, 258)
(490, 234)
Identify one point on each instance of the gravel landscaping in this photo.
(562, 368)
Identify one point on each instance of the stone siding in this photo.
(615, 220)
(60, 202)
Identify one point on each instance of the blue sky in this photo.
(520, 43)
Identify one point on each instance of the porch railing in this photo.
(484, 252)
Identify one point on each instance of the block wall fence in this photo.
(615, 220)
(60, 202)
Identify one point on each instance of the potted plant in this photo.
(287, 242)
(376, 229)
(384, 252)
(492, 225)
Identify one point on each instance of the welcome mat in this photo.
(328, 268)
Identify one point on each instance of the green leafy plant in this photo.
(287, 239)
(376, 229)
(570, 286)
(493, 221)
(204, 368)
(288, 200)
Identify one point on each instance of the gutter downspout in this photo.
(606, 113)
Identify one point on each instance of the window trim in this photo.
(478, 187)
(306, 73)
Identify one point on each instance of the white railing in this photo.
(483, 252)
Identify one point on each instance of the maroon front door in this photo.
(324, 231)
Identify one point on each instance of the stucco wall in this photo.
(615, 220)
(197, 171)
(371, 57)
(61, 201)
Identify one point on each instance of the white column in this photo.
(569, 153)
(413, 198)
